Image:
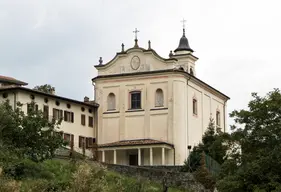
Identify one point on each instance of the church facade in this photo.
(152, 108)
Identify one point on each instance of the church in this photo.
(153, 109)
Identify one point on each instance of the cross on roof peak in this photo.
(136, 33)
(183, 23)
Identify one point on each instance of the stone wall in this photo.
(174, 168)
(179, 179)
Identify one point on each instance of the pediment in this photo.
(135, 60)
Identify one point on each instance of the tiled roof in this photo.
(11, 80)
(8, 88)
(134, 143)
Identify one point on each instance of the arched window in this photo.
(111, 102)
(159, 98)
(191, 71)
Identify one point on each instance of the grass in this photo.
(68, 176)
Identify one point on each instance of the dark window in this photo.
(89, 142)
(218, 118)
(83, 119)
(5, 95)
(32, 108)
(57, 103)
(82, 141)
(91, 121)
(46, 111)
(32, 97)
(68, 116)
(82, 109)
(57, 114)
(194, 106)
(46, 100)
(191, 71)
(69, 138)
(136, 100)
(90, 110)
(68, 105)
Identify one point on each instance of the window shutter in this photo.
(60, 114)
(87, 142)
(36, 107)
(28, 108)
(54, 113)
(80, 141)
(72, 117)
(72, 140)
(65, 118)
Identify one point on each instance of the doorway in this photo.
(133, 159)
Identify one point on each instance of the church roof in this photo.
(11, 80)
(183, 44)
(139, 48)
(162, 71)
(134, 143)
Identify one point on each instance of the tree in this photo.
(254, 163)
(45, 88)
(33, 135)
(214, 144)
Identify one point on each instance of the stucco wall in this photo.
(74, 128)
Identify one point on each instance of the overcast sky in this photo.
(58, 41)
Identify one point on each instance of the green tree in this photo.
(254, 163)
(31, 134)
(45, 88)
(214, 144)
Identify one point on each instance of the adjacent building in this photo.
(152, 108)
(79, 123)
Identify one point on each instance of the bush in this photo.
(27, 169)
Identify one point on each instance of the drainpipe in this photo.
(224, 115)
(15, 101)
(187, 131)
(174, 156)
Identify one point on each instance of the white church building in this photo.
(152, 108)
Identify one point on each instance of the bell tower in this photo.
(186, 60)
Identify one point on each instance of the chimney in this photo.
(53, 91)
(86, 99)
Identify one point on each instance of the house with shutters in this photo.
(79, 123)
(153, 108)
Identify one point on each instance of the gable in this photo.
(135, 60)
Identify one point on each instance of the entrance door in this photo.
(133, 159)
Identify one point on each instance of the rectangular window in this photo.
(218, 118)
(57, 114)
(135, 100)
(82, 141)
(46, 111)
(68, 116)
(69, 138)
(32, 108)
(194, 104)
(90, 142)
(83, 119)
(91, 121)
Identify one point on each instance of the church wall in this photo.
(110, 131)
(195, 128)
(179, 119)
(148, 122)
(208, 104)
